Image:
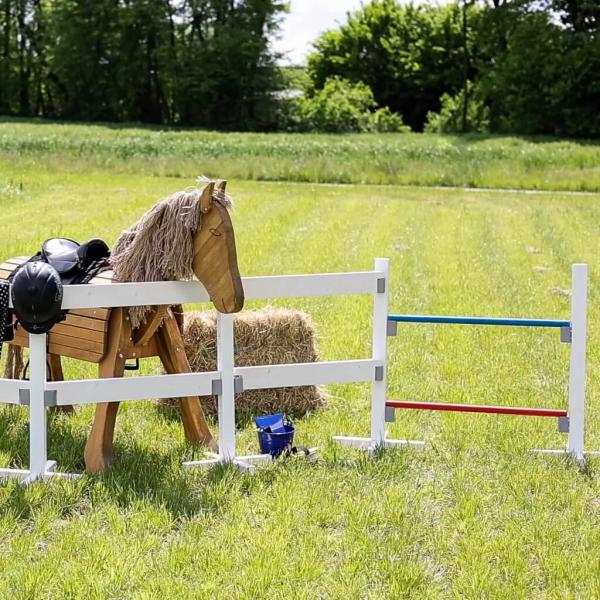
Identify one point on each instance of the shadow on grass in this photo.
(149, 476)
(64, 441)
(144, 475)
(172, 414)
(104, 124)
(14, 436)
(140, 474)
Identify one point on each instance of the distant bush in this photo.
(340, 107)
(450, 117)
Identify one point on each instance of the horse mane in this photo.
(160, 246)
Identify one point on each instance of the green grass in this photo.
(400, 159)
(472, 516)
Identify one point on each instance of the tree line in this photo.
(518, 66)
(192, 62)
(521, 66)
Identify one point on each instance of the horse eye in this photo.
(215, 232)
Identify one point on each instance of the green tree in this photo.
(408, 55)
(84, 58)
(22, 56)
(341, 107)
(146, 36)
(226, 69)
(460, 115)
(7, 37)
(201, 62)
(542, 77)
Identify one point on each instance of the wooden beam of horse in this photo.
(105, 336)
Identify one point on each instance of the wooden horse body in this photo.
(105, 336)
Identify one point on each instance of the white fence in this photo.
(227, 380)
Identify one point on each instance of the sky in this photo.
(305, 21)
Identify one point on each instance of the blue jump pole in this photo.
(502, 321)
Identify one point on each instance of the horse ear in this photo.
(221, 185)
(206, 197)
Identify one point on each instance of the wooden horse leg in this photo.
(56, 374)
(172, 355)
(98, 450)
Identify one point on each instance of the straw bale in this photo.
(269, 336)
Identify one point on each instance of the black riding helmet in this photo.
(37, 294)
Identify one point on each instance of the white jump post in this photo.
(226, 399)
(229, 389)
(39, 465)
(576, 333)
(378, 435)
(36, 395)
(38, 452)
(577, 367)
(379, 385)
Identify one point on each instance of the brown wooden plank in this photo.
(63, 328)
(12, 263)
(7, 267)
(76, 353)
(65, 340)
(86, 322)
(63, 350)
(73, 342)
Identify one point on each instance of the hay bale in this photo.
(262, 337)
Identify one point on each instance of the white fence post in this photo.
(379, 386)
(226, 400)
(37, 408)
(577, 367)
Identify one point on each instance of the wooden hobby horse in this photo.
(105, 336)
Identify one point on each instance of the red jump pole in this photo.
(478, 408)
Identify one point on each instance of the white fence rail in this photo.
(118, 389)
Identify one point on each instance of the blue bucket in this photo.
(274, 435)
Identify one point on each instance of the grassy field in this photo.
(399, 159)
(474, 515)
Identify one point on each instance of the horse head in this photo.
(215, 258)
